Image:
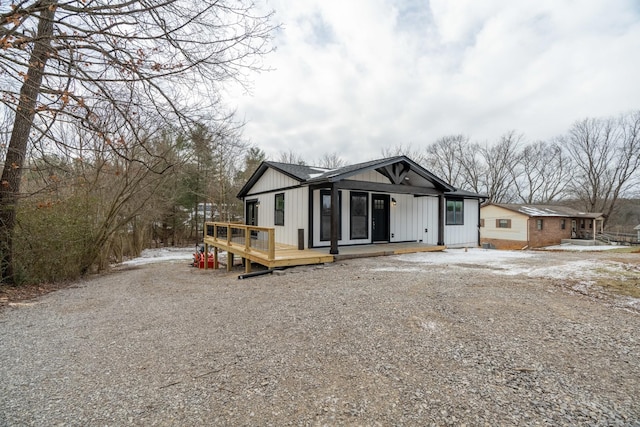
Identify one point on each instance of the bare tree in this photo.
(416, 155)
(606, 156)
(501, 162)
(444, 158)
(545, 172)
(472, 168)
(331, 161)
(76, 61)
(291, 158)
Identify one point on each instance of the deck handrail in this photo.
(247, 238)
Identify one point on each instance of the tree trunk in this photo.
(16, 152)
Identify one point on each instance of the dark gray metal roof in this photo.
(315, 175)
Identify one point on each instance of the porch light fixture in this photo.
(393, 201)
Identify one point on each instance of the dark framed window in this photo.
(279, 209)
(539, 224)
(455, 212)
(563, 224)
(325, 215)
(481, 222)
(359, 215)
(503, 223)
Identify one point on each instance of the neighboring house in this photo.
(521, 226)
(387, 200)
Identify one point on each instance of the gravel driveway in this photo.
(377, 341)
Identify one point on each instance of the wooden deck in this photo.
(257, 244)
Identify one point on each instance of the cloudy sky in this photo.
(354, 76)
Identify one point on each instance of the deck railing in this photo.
(248, 237)
(620, 238)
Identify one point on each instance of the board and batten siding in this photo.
(296, 210)
(371, 176)
(466, 235)
(272, 180)
(519, 224)
(411, 216)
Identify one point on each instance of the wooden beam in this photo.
(442, 213)
(387, 188)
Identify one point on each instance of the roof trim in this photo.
(257, 174)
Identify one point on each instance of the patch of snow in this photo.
(462, 256)
(579, 248)
(150, 256)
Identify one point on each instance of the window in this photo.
(503, 223)
(539, 224)
(563, 224)
(359, 215)
(325, 215)
(455, 212)
(481, 222)
(279, 209)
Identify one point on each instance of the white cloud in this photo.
(354, 77)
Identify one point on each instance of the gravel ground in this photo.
(378, 341)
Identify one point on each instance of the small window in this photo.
(455, 212)
(279, 209)
(481, 222)
(503, 223)
(563, 224)
(582, 223)
(539, 224)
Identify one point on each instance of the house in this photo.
(386, 200)
(521, 226)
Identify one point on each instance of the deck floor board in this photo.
(288, 256)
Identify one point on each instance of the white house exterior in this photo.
(387, 200)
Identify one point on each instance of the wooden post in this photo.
(228, 234)
(247, 265)
(206, 253)
(215, 258)
(335, 220)
(247, 239)
(272, 244)
(229, 260)
(442, 215)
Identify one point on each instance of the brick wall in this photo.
(551, 233)
(506, 244)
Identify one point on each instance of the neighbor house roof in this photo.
(399, 170)
(533, 210)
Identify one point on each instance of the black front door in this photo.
(380, 217)
(251, 217)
